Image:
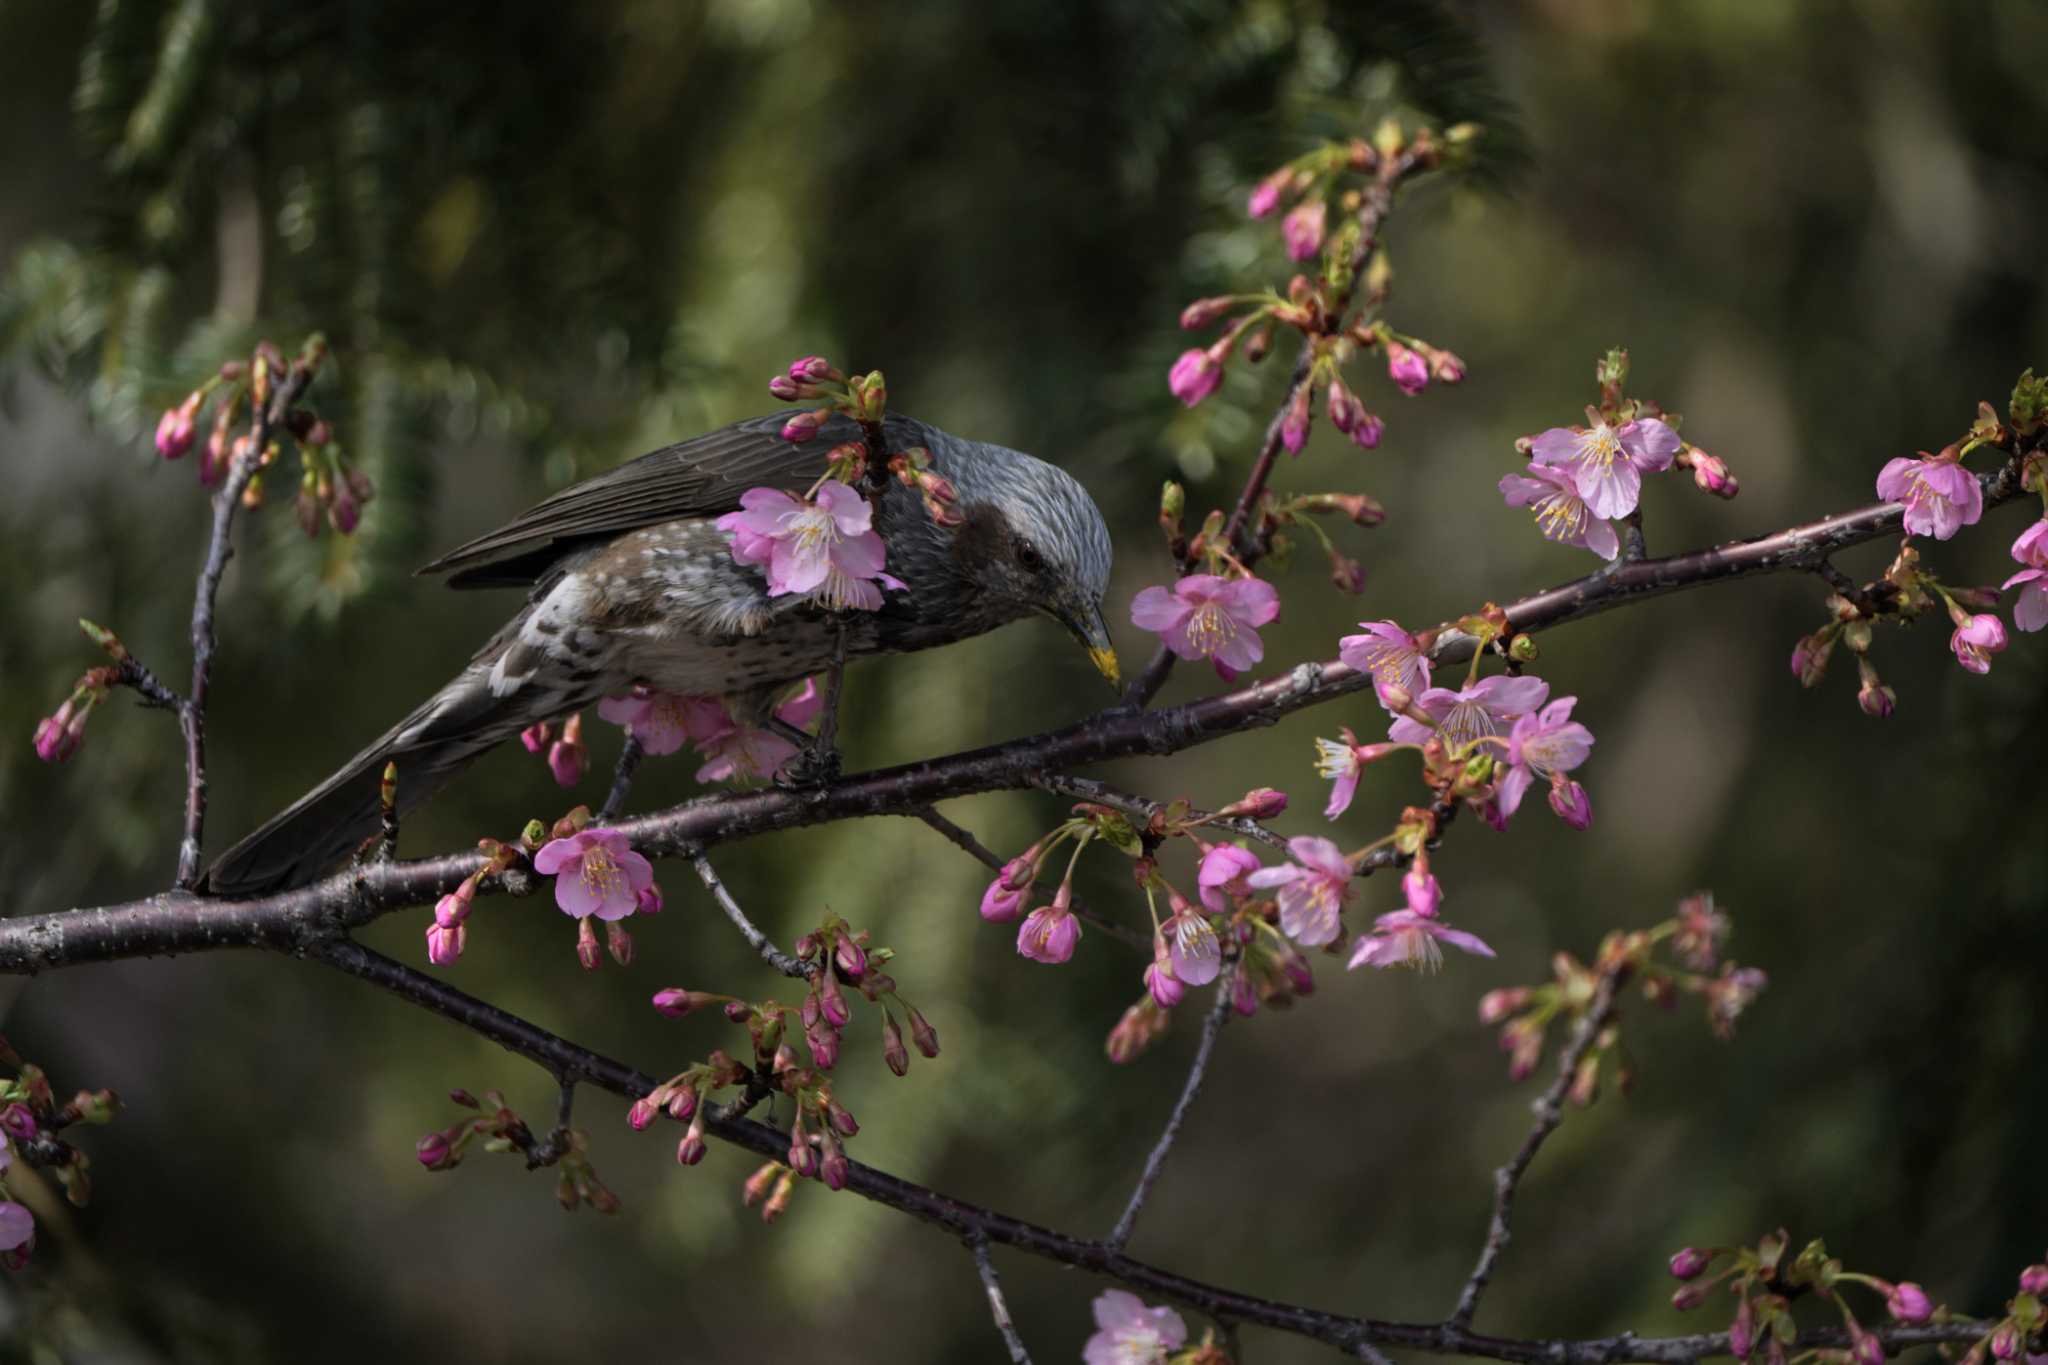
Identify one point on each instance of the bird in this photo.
(631, 583)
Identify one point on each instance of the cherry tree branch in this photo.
(1549, 1112)
(770, 954)
(570, 1063)
(1198, 1070)
(175, 922)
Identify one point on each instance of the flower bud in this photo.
(434, 1152)
(823, 1043)
(587, 951)
(804, 426)
(893, 1051)
(1689, 1296)
(922, 1034)
(1260, 803)
(850, 957)
(2006, 1340)
(648, 901)
(784, 388)
(445, 943)
(1569, 800)
(1497, 1005)
(1687, 1262)
(538, 736)
(643, 1113)
(1908, 1302)
(759, 1183)
(690, 1150)
(1202, 312)
(618, 941)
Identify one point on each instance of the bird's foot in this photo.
(812, 766)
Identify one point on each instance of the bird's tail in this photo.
(455, 727)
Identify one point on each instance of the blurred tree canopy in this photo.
(546, 238)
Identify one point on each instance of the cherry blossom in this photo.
(1941, 496)
(1192, 947)
(1406, 368)
(1342, 761)
(1302, 229)
(1976, 639)
(1129, 1333)
(1488, 707)
(1197, 374)
(1608, 463)
(2030, 608)
(1561, 514)
(827, 549)
(1390, 654)
(1222, 872)
(747, 754)
(1313, 889)
(1207, 617)
(596, 872)
(1543, 744)
(663, 722)
(1049, 933)
(1404, 938)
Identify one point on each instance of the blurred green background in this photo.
(544, 238)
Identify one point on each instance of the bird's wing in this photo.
(703, 477)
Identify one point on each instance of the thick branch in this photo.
(567, 1061)
(182, 923)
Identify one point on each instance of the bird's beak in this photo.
(1084, 619)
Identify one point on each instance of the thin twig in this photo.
(963, 1219)
(998, 1307)
(219, 549)
(770, 954)
(622, 779)
(1549, 1112)
(1198, 1070)
(964, 838)
(1144, 807)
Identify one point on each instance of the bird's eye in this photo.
(1028, 556)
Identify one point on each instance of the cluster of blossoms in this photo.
(838, 958)
(30, 1121)
(59, 734)
(496, 1128)
(1319, 308)
(598, 877)
(331, 488)
(734, 749)
(1691, 940)
(1128, 1332)
(1765, 1283)
(822, 545)
(1938, 496)
(1580, 480)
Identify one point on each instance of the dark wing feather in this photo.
(703, 477)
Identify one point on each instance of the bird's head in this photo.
(1033, 541)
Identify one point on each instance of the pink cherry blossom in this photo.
(827, 549)
(1129, 1333)
(1406, 368)
(1166, 989)
(1313, 889)
(1302, 229)
(1001, 902)
(1608, 463)
(1342, 761)
(1207, 617)
(664, 721)
(175, 430)
(1192, 947)
(1941, 496)
(1571, 804)
(1976, 639)
(1222, 873)
(1390, 654)
(1561, 514)
(746, 754)
(18, 1226)
(1488, 707)
(1406, 939)
(1908, 1302)
(1542, 744)
(596, 872)
(2030, 608)
(1049, 933)
(1195, 376)
(1265, 197)
(1422, 890)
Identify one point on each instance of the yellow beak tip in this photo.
(1106, 664)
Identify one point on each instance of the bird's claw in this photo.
(812, 766)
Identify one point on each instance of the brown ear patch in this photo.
(984, 537)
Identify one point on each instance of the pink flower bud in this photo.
(618, 941)
(1742, 1332)
(1244, 995)
(832, 1002)
(1343, 406)
(1302, 229)
(2006, 1341)
(682, 1105)
(811, 369)
(1000, 903)
(344, 512)
(1049, 933)
(1408, 370)
(893, 1051)
(642, 1115)
(1877, 700)
(803, 427)
(823, 1043)
(56, 738)
(1687, 1262)
(1260, 803)
(1497, 1005)
(675, 1002)
(690, 1150)
(1446, 368)
(434, 1152)
(1865, 1349)
(1689, 1296)
(1908, 1302)
(538, 736)
(1195, 376)
(1571, 803)
(1165, 988)
(1294, 426)
(922, 1034)
(587, 950)
(445, 943)
(850, 958)
(1366, 433)
(783, 387)
(1976, 639)
(648, 901)
(175, 429)
(451, 910)
(565, 761)
(1202, 312)
(1265, 196)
